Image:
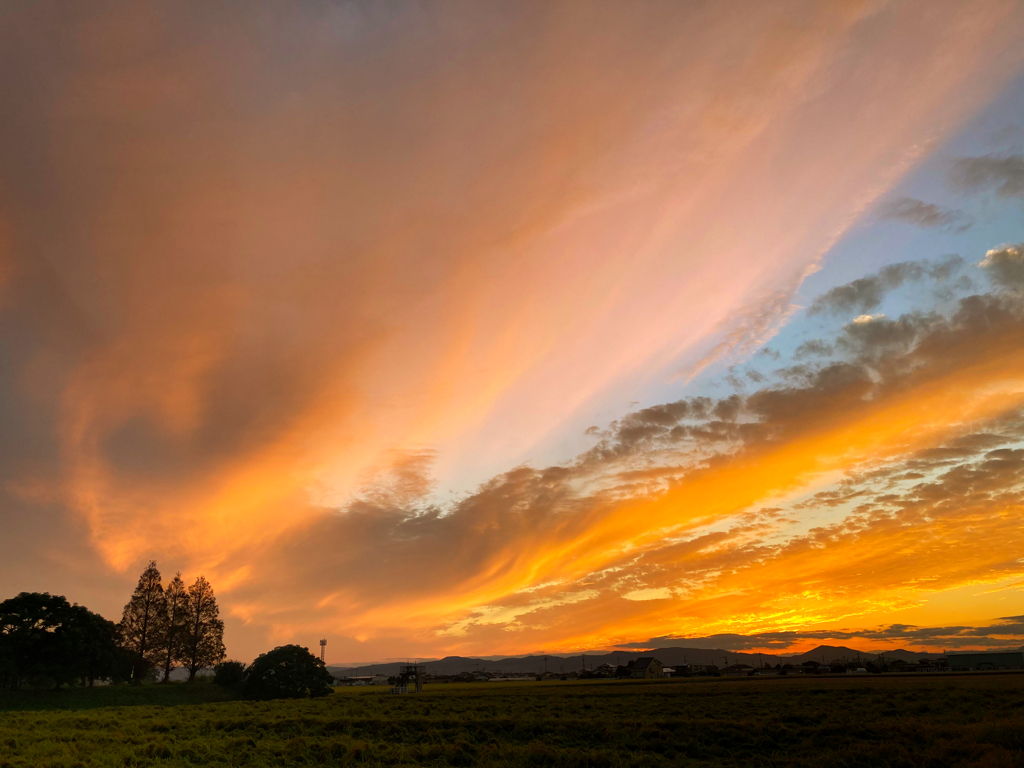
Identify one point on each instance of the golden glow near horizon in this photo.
(321, 302)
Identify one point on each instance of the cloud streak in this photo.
(867, 293)
(1003, 173)
(922, 214)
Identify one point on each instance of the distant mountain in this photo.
(826, 654)
(453, 665)
(671, 656)
(909, 656)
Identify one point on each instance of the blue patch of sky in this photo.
(878, 240)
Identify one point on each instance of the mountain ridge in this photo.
(670, 656)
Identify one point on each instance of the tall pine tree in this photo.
(143, 623)
(175, 597)
(203, 638)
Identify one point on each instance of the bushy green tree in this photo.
(29, 645)
(202, 638)
(46, 639)
(288, 672)
(143, 624)
(90, 646)
(229, 674)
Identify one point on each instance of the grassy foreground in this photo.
(112, 696)
(931, 721)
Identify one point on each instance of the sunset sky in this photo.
(492, 328)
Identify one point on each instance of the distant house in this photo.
(645, 668)
(688, 670)
(357, 680)
(737, 670)
(379, 680)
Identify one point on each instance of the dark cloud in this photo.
(881, 335)
(867, 293)
(813, 348)
(1006, 266)
(1005, 173)
(946, 268)
(883, 356)
(1007, 633)
(930, 215)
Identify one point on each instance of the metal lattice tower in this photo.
(323, 648)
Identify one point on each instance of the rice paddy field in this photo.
(932, 721)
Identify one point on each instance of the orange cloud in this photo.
(531, 561)
(262, 267)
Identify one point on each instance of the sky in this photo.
(496, 328)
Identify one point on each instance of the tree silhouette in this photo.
(287, 672)
(143, 623)
(175, 597)
(44, 639)
(202, 640)
(89, 645)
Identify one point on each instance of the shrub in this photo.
(287, 672)
(229, 674)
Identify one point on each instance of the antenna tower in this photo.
(323, 648)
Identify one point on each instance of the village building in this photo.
(737, 670)
(645, 668)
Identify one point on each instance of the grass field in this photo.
(864, 721)
(112, 696)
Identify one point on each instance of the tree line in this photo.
(46, 640)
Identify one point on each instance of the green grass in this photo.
(111, 696)
(931, 722)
